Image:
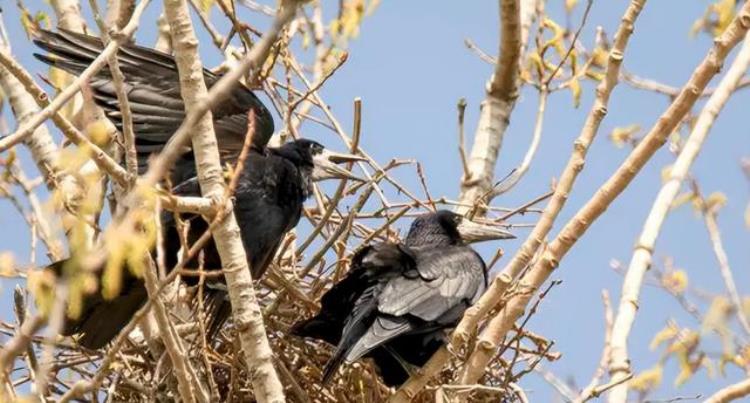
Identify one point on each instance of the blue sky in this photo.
(409, 66)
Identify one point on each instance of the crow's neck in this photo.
(305, 173)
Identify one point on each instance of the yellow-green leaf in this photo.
(622, 136)
(575, 90)
(725, 11)
(599, 57)
(205, 5)
(668, 333)
(716, 200)
(647, 380)
(558, 34)
(675, 281)
(7, 265)
(372, 6)
(717, 316)
(570, 5)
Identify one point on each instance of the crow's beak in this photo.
(473, 232)
(325, 166)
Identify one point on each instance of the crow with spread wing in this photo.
(269, 196)
(398, 299)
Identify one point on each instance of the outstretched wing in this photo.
(153, 89)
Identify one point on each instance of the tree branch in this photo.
(643, 253)
(568, 177)
(246, 312)
(189, 385)
(731, 392)
(577, 226)
(494, 117)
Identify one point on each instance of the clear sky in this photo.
(410, 66)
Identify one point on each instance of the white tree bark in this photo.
(248, 318)
(494, 116)
(619, 366)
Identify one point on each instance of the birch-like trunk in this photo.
(248, 318)
(494, 117)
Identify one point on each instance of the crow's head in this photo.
(317, 160)
(452, 227)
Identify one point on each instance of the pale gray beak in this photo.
(473, 232)
(324, 166)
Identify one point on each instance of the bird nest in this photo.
(142, 371)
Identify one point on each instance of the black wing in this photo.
(102, 319)
(447, 278)
(153, 88)
(350, 306)
(433, 296)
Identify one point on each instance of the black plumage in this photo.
(268, 198)
(152, 85)
(398, 298)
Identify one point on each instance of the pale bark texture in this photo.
(499, 326)
(494, 116)
(564, 185)
(247, 316)
(42, 147)
(731, 392)
(189, 386)
(119, 12)
(640, 262)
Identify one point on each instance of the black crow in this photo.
(270, 192)
(398, 299)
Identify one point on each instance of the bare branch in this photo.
(726, 272)
(577, 226)
(643, 253)
(246, 312)
(189, 386)
(500, 98)
(575, 164)
(590, 391)
(50, 110)
(731, 392)
(536, 138)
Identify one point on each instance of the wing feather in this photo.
(448, 277)
(153, 89)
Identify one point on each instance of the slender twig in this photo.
(642, 255)
(500, 324)
(536, 138)
(570, 173)
(590, 391)
(50, 110)
(573, 41)
(500, 98)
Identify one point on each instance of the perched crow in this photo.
(270, 192)
(398, 299)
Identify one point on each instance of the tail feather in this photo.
(218, 310)
(333, 364)
(322, 327)
(357, 325)
(109, 317)
(101, 320)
